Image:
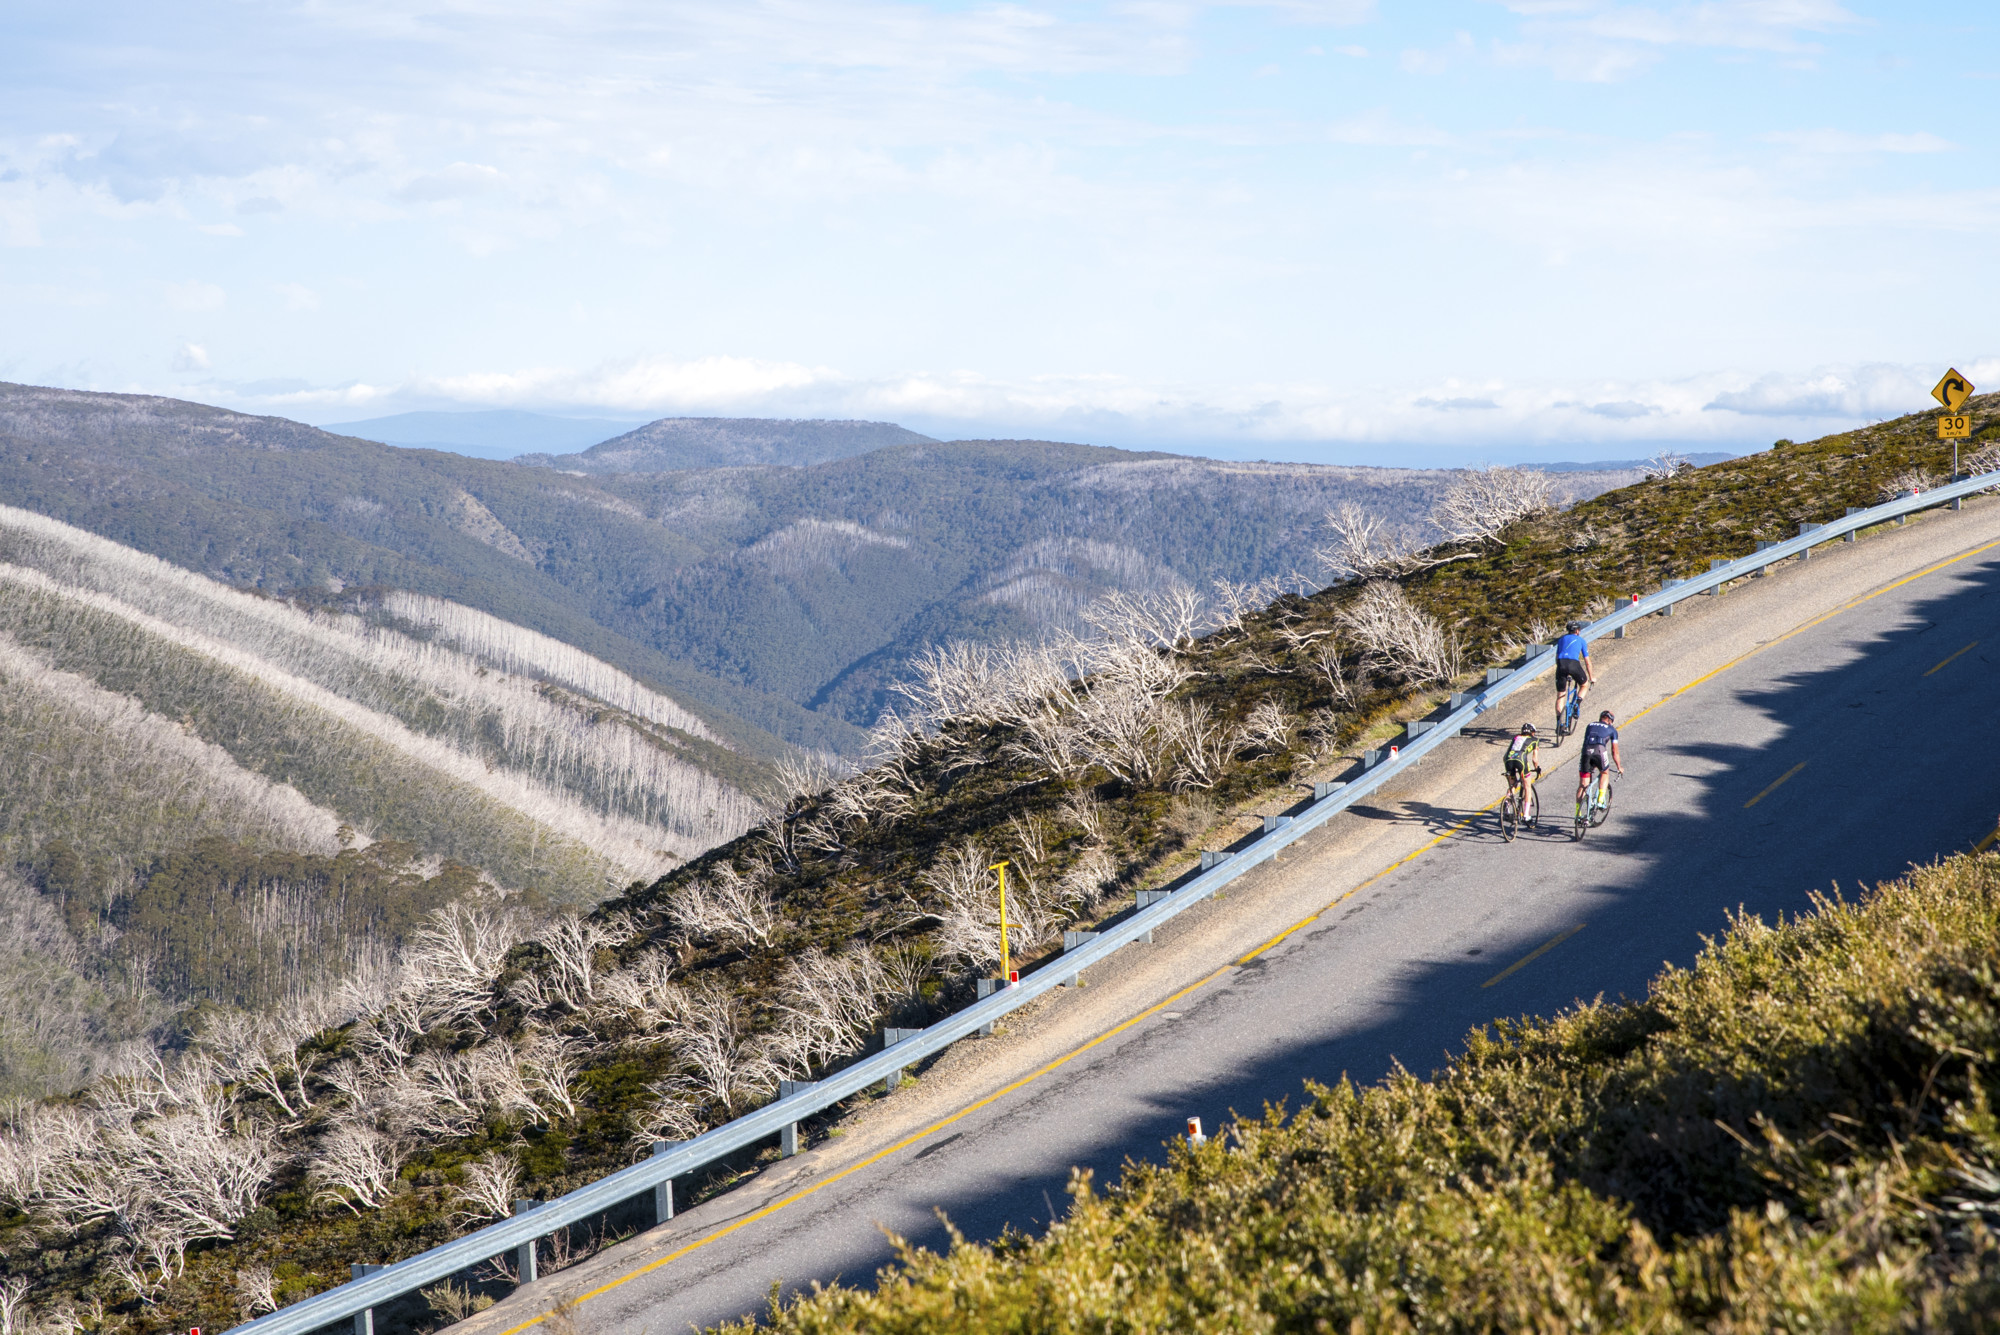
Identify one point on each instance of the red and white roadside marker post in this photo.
(1194, 1135)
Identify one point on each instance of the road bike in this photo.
(1521, 806)
(1595, 804)
(1566, 712)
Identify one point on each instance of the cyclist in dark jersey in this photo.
(1573, 663)
(1600, 750)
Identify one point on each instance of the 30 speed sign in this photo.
(1955, 426)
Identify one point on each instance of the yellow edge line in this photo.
(1953, 659)
(1774, 785)
(881, 1154)
(1032, 1076)
(1987, 842)
(1536, 953)
(1816, 621)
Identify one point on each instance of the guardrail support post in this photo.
(1272, 824)
(1326, 788)
(1716, 563)
(364, 1320)
(1850, 535)
(1763, 570)
(1072, 940)
(524, 1255)
(1804, 529)
(987, 987)
(663, 1193)
(1148, 898)
(788, 1135)
(1212, 857)
(1496, 674)
(890, 1038)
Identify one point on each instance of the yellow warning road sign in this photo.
(1955, 426)
(1952, 391)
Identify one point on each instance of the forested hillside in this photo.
(786, 597)
(168, 744)
(509, 1057)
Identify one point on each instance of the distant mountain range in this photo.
(500, 433)
(777, 603)
(674, 443)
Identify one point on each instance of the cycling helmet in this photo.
(1528, 729)
(1607, 717)
(1575, 626)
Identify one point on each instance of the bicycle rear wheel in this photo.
(1582, 817)
(1601, 808)
(1508, 819)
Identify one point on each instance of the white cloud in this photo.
(191, 357)
(1728, 409)
(195, 295)
(298, 297)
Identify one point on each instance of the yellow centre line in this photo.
(1987, 842)
(1108, 1034)
(1949, 661)
(1775, 785)
(1536, 953)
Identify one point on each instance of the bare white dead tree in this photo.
(573, 941)
(1163, 620)
(723, 1060)
(255, 1288)
(1200, 745)
(1665, 464)
(1235, 601)
(1909, 482)
(551, 1065)
(965, 896)
(805, 774)
(1121, 732)
(261, 1052)
(827, 1004)
(1363, 545)
(1267, 727)
(14, 1313)
(1396, 634)
(449, 965)
(355, 1165)
(1326, 659)
(1481, 502)
(728, 906)
(491, 1184)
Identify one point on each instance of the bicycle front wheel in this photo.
(1532, 808)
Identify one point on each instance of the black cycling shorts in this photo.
(1514, 765)
(1571, 669)
(1593, 757)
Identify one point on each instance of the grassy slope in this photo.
(1796, 1134)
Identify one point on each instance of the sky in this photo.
(1334, 230)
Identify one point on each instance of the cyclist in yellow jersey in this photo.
(1518, 761)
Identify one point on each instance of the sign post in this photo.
(1006, 969)
(1952, 391)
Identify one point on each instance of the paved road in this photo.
(1839, 755)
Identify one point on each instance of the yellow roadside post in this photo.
(1006, 972)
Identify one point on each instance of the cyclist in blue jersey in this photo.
(1573, 663)
(1600, 745)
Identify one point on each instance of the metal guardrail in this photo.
(361, 1295)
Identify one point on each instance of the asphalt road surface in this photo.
(1840, 755)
